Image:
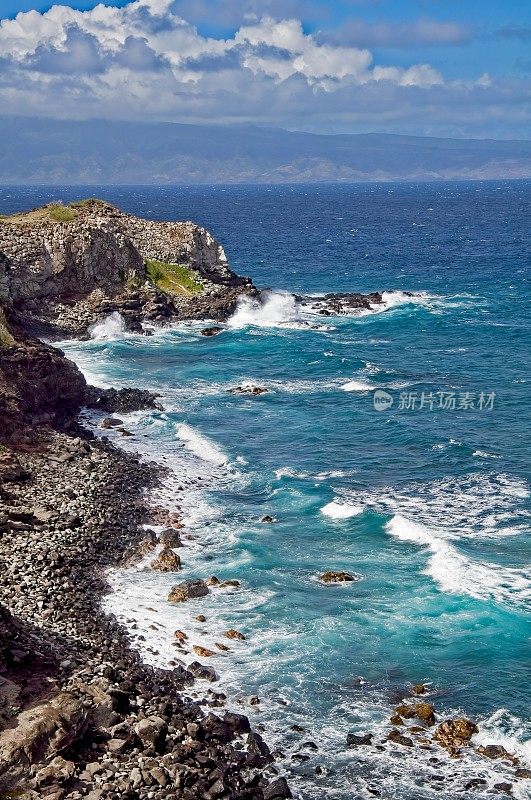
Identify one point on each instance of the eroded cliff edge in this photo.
(63, 267)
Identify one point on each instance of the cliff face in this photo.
(38, 385)
(64, 267)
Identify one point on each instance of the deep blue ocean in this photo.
(426, 501)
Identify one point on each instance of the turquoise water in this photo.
(428, 508)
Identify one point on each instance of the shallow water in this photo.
(428, 507)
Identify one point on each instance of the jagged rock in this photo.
(42, 731)
(277, 790)
(523, 772)
(180, 636)
(267, 518)
(454, 733)
(419, 688)
(214, 330)
(339, 576)
(233, 634)
(188, 590)
(152, 731)
(119, 400)
(166, 561)
(355, 741)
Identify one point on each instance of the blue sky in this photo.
(458, 68)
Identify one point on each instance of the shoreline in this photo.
(114, 713)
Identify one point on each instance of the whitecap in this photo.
(201, 445)
(455, 573)
(358, 386)
(341, 510)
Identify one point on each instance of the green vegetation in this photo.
(62, 214)
(173, 278)
(6, 340)
(88, 201)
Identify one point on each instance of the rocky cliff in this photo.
(64, 267)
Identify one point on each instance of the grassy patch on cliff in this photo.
(6, 340)
(62, 214)
(54, 212)
(173, 278)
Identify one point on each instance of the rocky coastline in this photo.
(81, 716)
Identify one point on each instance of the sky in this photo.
(459, 68)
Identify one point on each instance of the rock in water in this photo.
(188, 590)
(233, 634)
(212, 331)
(336, 577)
(166, 561)
(454, 733)
(355, 741)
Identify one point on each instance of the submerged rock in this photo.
(253, 390)
(188, 590)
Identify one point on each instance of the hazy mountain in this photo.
(102, 152)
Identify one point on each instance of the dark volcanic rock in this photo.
(120, 400)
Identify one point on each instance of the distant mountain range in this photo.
(48, 151)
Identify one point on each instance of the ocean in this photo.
(424, 498)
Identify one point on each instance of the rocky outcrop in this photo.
(65, 267)
(38, 385)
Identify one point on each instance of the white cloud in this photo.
(146, 61)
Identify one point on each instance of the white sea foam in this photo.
(358, 386)
(441, 514)
(201, 445)
(341, 510)
(112, 327)
(270, 310)
(457, 574)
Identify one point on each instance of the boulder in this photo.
(399, 738)
(233, 634)
(188, 590)
(277, 790)
(202, 651)
(425, 712)
(214, 330)
(152, 732)
(166, 561)
(454, 733)
(355, 741)
(252, 390)
(203, 673)
(170, 538)
(43, 731)
(496, 751)
(339, 576)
